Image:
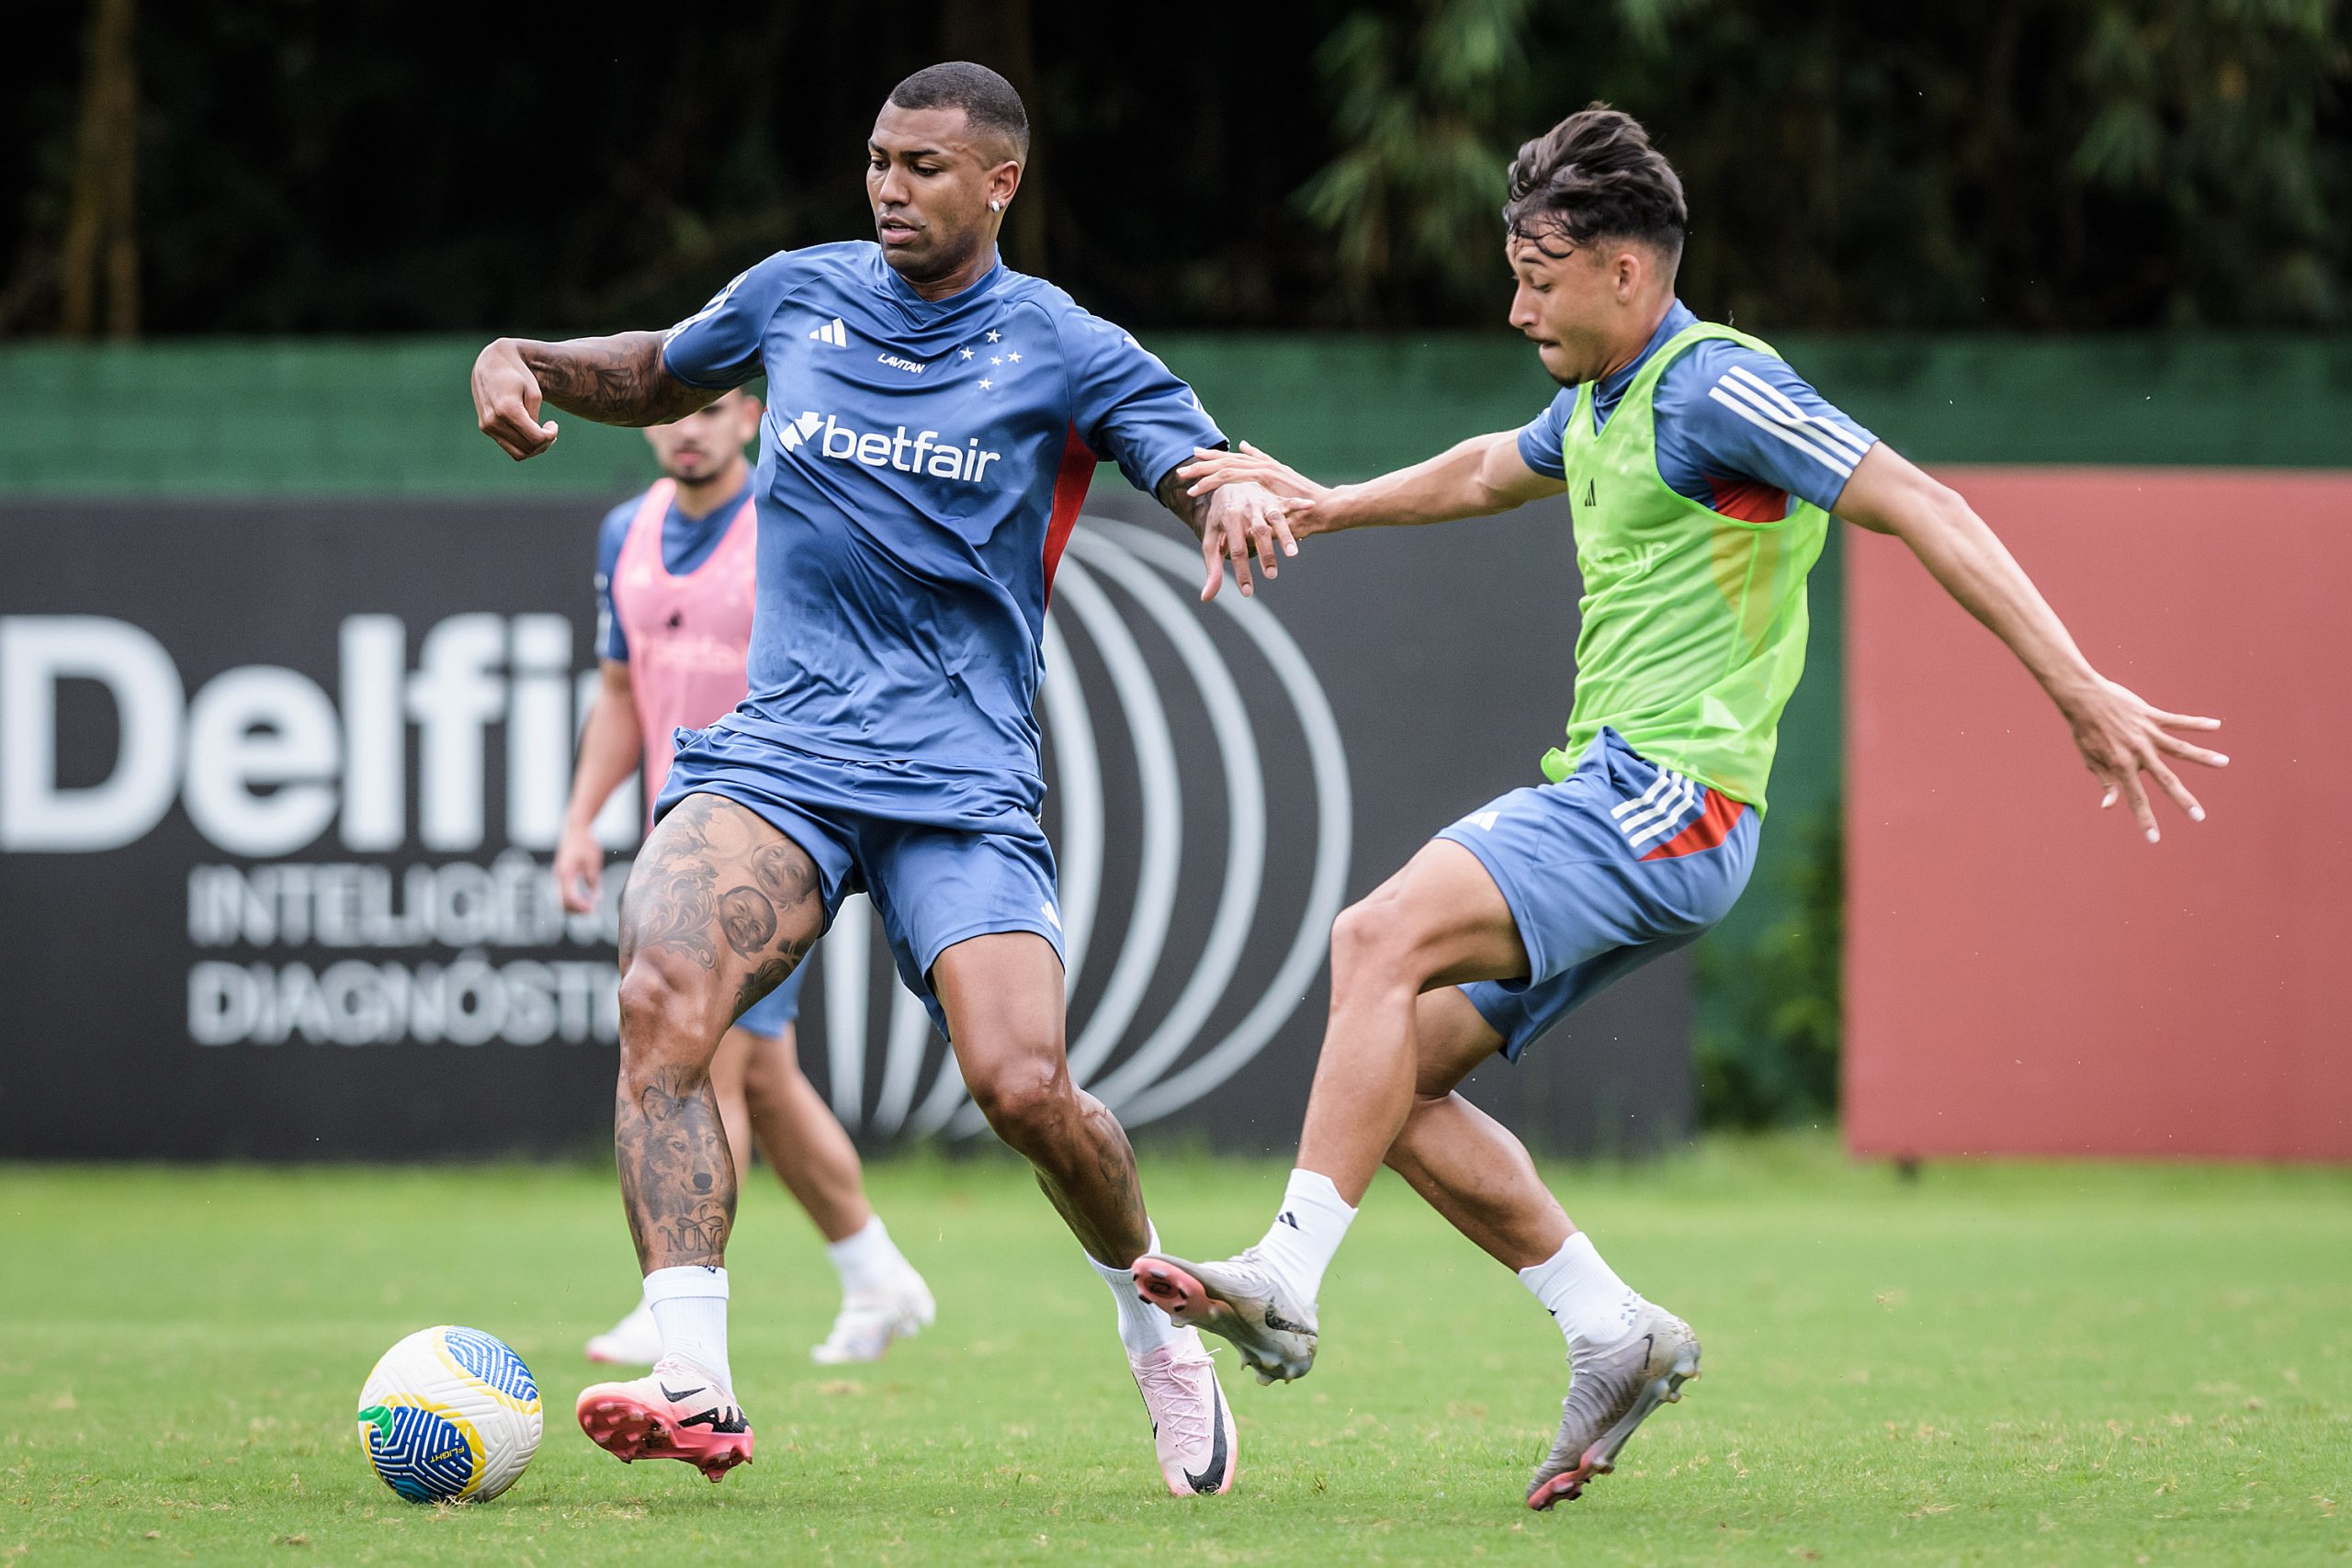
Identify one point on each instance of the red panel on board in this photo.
(2024, 973)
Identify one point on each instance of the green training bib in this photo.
(1694, 623)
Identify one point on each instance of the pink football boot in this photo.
(678, 1411)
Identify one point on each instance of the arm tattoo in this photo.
(613, 380)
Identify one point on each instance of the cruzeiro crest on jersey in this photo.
(924, 452)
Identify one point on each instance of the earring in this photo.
(995, 205)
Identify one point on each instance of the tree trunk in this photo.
(100, 253)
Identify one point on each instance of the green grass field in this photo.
(2013, 1365)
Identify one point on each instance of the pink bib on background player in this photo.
(689, 637)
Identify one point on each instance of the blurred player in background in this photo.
(1701, 473)
(938, 418)
(674, 629)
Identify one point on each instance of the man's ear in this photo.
(1630, 270)
(1003, 181)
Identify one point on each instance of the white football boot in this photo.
(1241, 1299)
(870, 1320)
(1611, 1390)
(1192, 1425)
(634, 1341)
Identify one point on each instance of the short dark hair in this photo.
(987, 99)
(1595, 173)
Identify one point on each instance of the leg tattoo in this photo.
(677, 1177)
(1098, 1195)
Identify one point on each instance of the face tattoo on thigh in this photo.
(748, 918)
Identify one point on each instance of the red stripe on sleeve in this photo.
(1069, 493)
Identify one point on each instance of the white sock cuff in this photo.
(1314, 1187)
(1118, 1277)
(1578, 1251)
(693, 1280)
(872, 1236)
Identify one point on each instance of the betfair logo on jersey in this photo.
(921, 453)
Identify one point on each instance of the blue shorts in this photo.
(776, 1011)
(947, 853)
(1620, 862)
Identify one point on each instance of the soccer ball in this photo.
(449, 1415)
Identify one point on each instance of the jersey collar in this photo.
(921, 309)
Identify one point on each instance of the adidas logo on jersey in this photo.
(921, 453)
(833, 332)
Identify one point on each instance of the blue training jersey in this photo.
(1737, 431)
(921, 464)
(686, 543)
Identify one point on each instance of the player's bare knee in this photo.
(1373, 944)
(1026, 1104)
(665, 1011)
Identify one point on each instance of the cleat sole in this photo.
(629, 1431)
(1187, 1302)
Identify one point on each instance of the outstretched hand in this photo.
(1210, 471)
(1242, 516)
(2121, 736)
(506, 402)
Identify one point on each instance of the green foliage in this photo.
(1773, 1060)
(1422, 100)
(2208, 113)
(2022, 162)
(2046, 164)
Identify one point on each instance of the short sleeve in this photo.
(1128, 405)
(719, 345)
(1741, 414)
(610, 643)
(1540, 439)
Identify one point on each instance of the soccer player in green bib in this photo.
(1701, 473)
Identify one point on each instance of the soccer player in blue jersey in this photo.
(1701, 473)
(933, 420)
(674, 586)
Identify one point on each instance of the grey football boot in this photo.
(1240, 1299)
(1611, 1390)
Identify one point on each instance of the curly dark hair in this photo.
(1595, 173)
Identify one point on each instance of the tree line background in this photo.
(261, 166)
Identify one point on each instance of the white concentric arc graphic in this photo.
(1162, 1072)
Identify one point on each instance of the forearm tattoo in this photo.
(613, 380)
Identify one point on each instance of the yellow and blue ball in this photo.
(450, 1415)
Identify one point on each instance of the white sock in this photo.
(866, 1259)
(1583, 1294)
(690, 1306)
(1306, 1231)
(1142, 1326)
